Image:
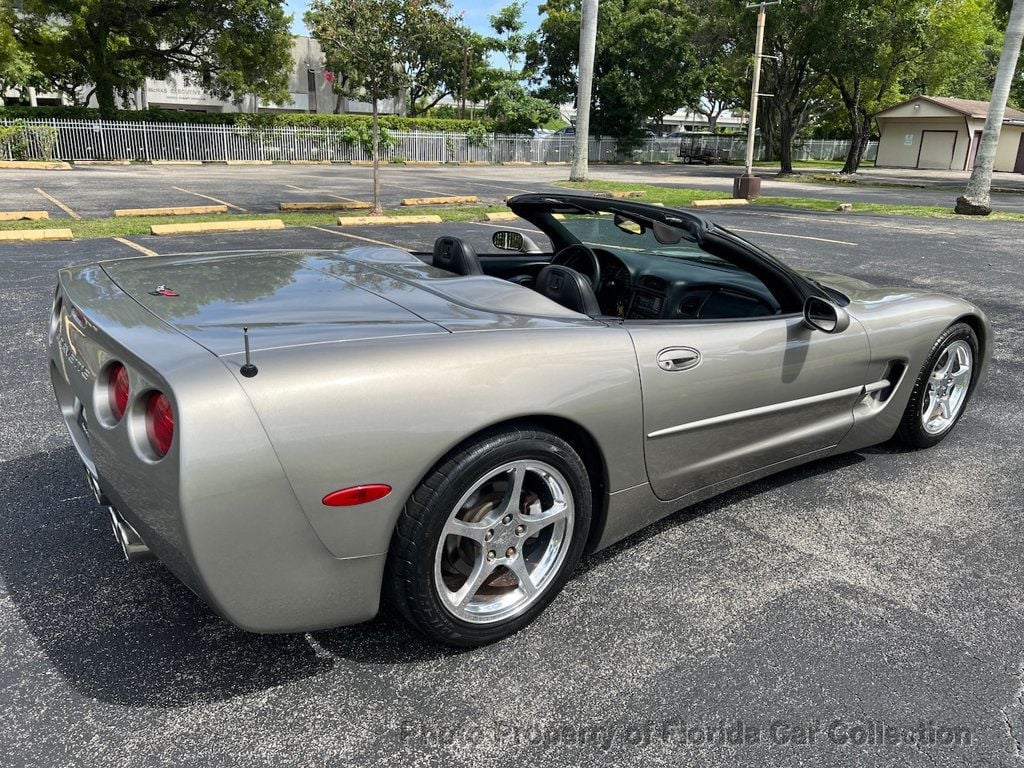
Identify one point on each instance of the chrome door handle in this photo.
(678, 359)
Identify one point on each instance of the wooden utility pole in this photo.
(748, 185)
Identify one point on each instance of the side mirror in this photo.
(504, 240)
(822, 315)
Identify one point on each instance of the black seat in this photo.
(455, 255)
(569, 288)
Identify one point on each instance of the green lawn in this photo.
(679, 197)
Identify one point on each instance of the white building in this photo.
(308, 87)
(940, 133)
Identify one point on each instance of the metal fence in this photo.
(140, 141)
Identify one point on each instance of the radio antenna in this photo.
(248, 370)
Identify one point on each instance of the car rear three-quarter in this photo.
(210, 497)
(249, 500)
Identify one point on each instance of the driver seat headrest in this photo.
(455, 255)
(569, 288)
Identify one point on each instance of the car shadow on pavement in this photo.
(122, 633)
(132, 634)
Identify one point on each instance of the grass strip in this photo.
(682, 197)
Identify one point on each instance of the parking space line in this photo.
(499, 186)
(140, 248)
(58, 203)
(325, 194)
(214, 199)
(356, 237)
(795, 237)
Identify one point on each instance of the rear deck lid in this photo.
(282, 300)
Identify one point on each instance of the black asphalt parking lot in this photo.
(777, 625)
(95, 191)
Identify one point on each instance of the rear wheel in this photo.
(942, 389)
(490, 537)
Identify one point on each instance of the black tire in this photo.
(409, 579)
(911, 432)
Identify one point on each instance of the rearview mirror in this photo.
(627, 225)
(504, 240)
(822, 315)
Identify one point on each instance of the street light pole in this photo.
(748, 185)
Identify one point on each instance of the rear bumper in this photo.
(217, 510)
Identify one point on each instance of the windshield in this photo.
(603, 231)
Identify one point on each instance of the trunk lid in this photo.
(282, 297)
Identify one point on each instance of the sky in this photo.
(476, 13)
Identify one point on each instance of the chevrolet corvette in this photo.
(299, 434)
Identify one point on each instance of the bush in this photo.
(262, 120)
(27, 142)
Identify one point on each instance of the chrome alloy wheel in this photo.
(948, 385)
(504, 542)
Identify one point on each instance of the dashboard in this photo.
(645, 286)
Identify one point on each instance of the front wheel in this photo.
(942, 389)
(490, 537)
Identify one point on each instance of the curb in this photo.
(309, 162)
(722, 201)
(35, 234)
(102, 162)
(329, 206)
(453, 200)
(249, 162)
(501, 216)
(355, 221)
(23, 215)
(215, 226)
(175, 162)
(186, 210)
(34, 165)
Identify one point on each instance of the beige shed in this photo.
(941, 133)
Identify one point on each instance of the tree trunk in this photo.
(860, 135)
(977, 198)
(588, 42)
(713, 123)
(105, 96)
(785, 136)
(377, 207)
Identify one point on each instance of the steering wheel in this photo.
(582, 259)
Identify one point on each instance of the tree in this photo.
(442, 62)
(371, 41)
(977, 198)
(961, 51)
(510, 104)
(228, 47)
(588, 43)
(645, 61)
(794, 32)
(721, 62)
(871, 47)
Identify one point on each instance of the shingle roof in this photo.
(966, 107)
(973, 108)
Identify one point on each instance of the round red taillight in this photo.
(159, 423)
(118, 390)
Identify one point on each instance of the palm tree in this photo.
(588, 42)
(977, 198)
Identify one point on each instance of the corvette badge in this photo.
(163, 290)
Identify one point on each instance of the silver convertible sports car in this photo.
(296, 434)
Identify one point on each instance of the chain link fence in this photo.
(139, 141)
